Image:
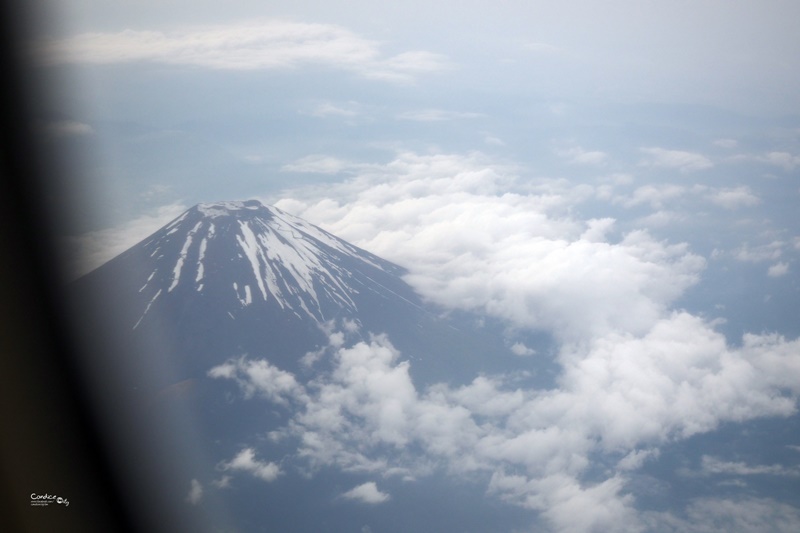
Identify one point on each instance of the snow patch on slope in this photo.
(176, 272)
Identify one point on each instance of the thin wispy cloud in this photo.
(272, 44)
(734, 198)
(317, 164)
(785, 160)
(656, 196)
(577, 155)
(713, 465)
(195, 492)
(67, 128)
(759, 253)
(436, 115)
(721, 515)
(659, 196)
(728, 144)
(541, 48)
(330, 109)
(677, 159)
(90, 250)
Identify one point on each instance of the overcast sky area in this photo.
(621, 175)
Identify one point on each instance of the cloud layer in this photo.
(269, 44)
(622, 396)
(515, 254)
(635, 373)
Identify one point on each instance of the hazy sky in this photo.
(621, 175)
(738, 55)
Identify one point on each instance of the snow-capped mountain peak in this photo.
(259, 256)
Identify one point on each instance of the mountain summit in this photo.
(265, 259)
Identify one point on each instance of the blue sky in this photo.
(620, 175)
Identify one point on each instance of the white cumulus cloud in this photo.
(778, 269)
(520, 349)
(366, 493)
(246, 461)
(260, 377)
